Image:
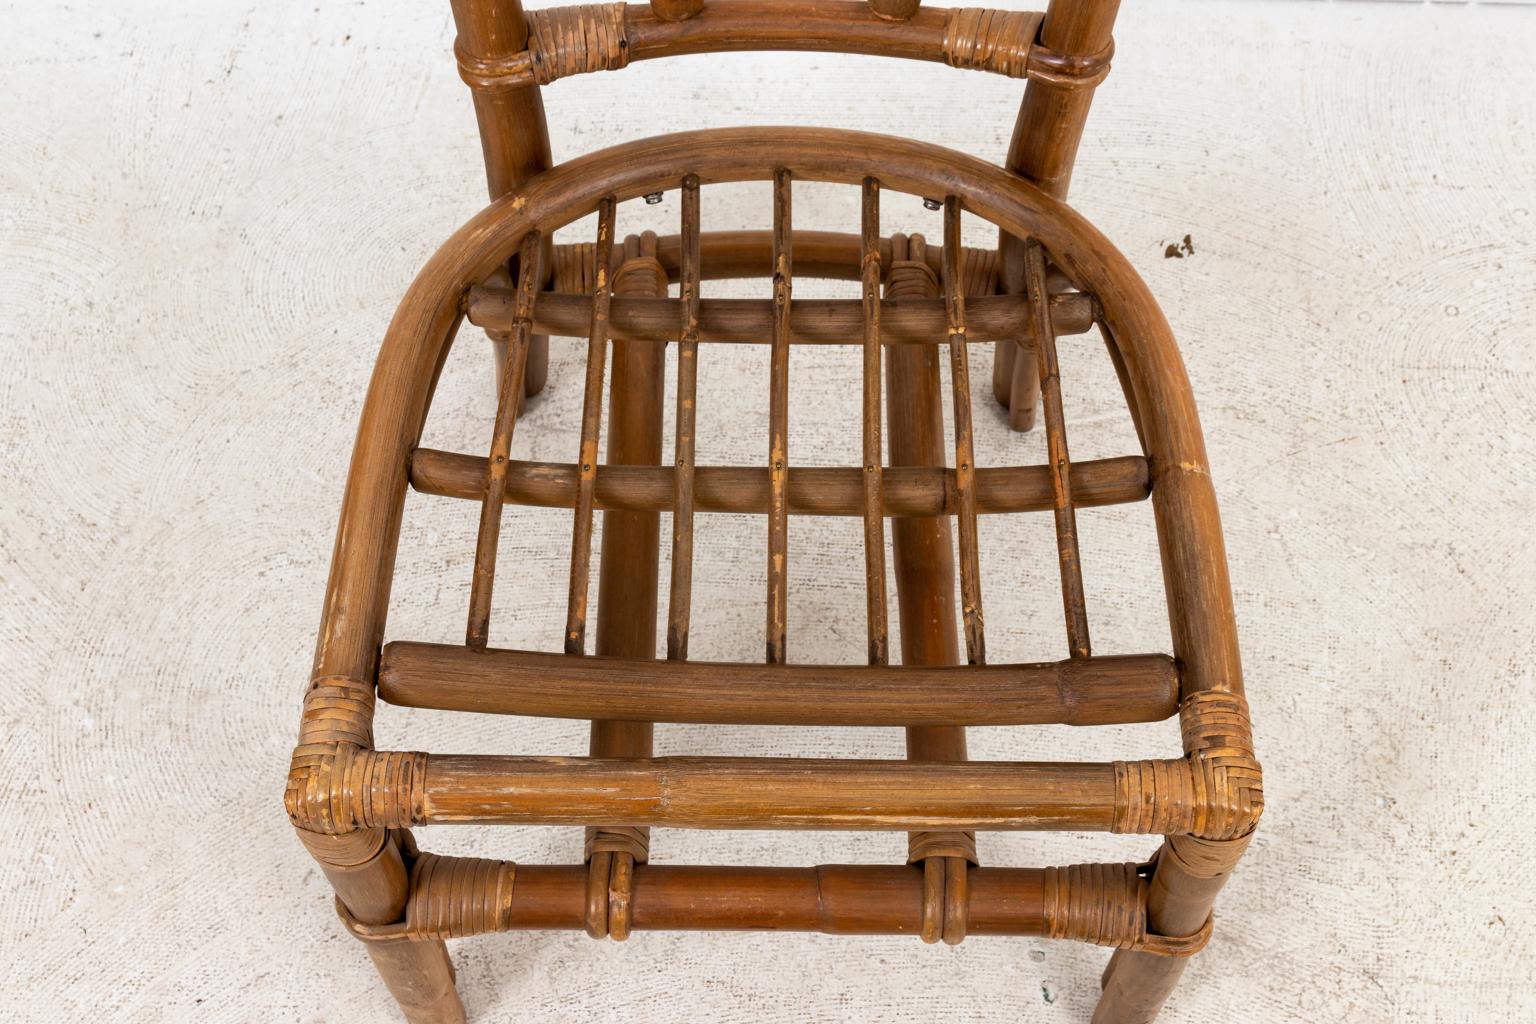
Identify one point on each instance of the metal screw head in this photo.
(932, 204)
(652, 198)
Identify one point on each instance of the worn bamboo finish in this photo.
(778, 422)
(758, 793)
(1077, 691)
(353, 804)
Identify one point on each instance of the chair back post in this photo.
(1044, 148)
(514, 136)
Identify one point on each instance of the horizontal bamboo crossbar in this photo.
(1081, 691)
(834, 255)
(811, 321)
(813, 490)
(764, 793)
(1106, 904)
(566, 41)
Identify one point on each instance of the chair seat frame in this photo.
(353, 805)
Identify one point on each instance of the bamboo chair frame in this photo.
(1052, 275)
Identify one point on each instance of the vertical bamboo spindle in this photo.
(514, 138)
(965, 457)
(778, 423)
(1056, 449)
(509, 398)
(680, 598)
(591, 424)
(874, 497)
(1046, 135)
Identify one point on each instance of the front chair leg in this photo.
(1189, 872)
(370, 871)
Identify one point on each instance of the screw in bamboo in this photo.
(680, 599)
(509, 399)
(778, 422)
(874, 498)
(1044, 344)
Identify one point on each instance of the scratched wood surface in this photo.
(206, 218)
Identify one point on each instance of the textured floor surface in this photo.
(206, 216)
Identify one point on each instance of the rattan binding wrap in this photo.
(566, 41)
(1214, 793)
(986, 40)
(1106, 904)
(450, 898)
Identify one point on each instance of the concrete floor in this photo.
(206, 217)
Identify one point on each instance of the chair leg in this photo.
(535, 374)
(1024, 391)
(421, 978)
(370, 872)
(1189, 873)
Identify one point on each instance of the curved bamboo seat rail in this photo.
(921, 305)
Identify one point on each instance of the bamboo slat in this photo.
(1073, 600)
(813, 490)
(591, 423)
(680, 604)
(1076, 691)
(874, 497)
(778, 423)
(812, 321)
(493, 489)
(965, 451)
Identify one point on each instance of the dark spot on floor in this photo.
(1178, 250)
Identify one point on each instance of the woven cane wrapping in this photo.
(567, 41)
(1106, 905)
(452, 897)
(1215, 792)
(996, 41)
(338, 787)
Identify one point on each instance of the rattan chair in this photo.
(1051, 275)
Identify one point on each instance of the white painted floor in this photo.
(207, 212)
